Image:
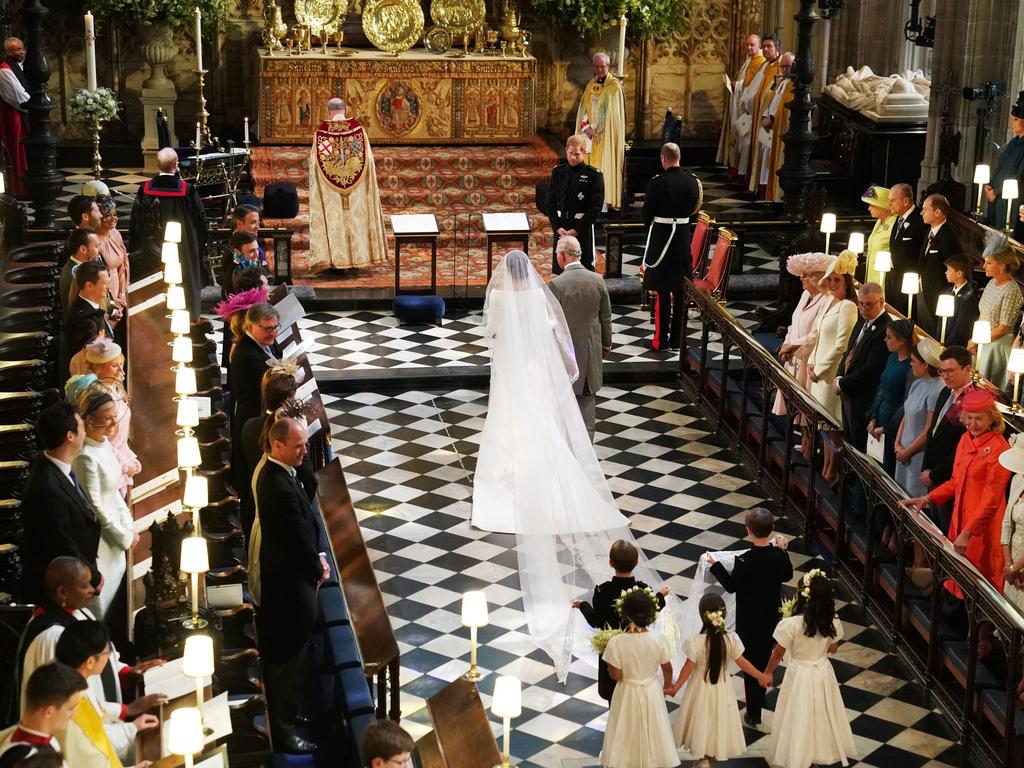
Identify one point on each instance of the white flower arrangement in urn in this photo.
(101, 104)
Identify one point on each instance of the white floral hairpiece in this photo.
(810, 576)
(646, 591)
(716, 619)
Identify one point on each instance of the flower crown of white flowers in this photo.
(716, 620)
(810, 576)
(646, 591)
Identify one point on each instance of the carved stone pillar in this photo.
(43, 181)
(796, 174)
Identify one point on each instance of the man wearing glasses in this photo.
(246, 367)
(861, 367)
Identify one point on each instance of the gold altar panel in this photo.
(415, 98)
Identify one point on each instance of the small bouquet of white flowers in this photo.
(100, 104)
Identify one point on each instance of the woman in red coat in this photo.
(978, 488)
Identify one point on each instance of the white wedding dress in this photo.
(537, 474)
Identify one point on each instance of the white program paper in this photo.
(224, 595)
(512, 221)
(414, 224)
(170, 680)
(289, 311)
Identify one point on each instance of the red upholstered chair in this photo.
(699, 242)
(717, 279)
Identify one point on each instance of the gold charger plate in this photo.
(438, 40)
(393, 25)
(317, 14)
(459, 16)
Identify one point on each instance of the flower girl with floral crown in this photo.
(708, 724)
(638, 734)
(810, 726)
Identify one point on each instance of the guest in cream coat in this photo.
(588, 312)
(99, 473)
(1012, 537)
(834, 331)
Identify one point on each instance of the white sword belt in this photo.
(671, 235)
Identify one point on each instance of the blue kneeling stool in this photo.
(419, 308)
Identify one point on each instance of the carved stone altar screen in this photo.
(418, 98)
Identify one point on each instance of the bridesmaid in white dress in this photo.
(99, 473)
(639, 734)
(810, 726)
(809, 267)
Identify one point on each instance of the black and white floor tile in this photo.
(409, 460)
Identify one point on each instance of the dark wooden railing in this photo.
(733, 380)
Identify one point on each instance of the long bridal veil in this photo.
(537, 473)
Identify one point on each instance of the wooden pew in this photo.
(461, 728)
(366, 606)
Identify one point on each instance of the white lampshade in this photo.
(1016, 362)
(911, 283)
(169, 253)
(197, 660)
(982, 174)
(194, 557)
(188, 453)
(945, 306)
(3, 184)
(883, 261)
(474, 609)
(185, 381)
(175, 297)
(508, 697)
(172, 273)
(982, 333)
(185, 734)
(1010, 190)
(197, 492)
(181, 323)
(172, 232)
(181, 349)
(856, 243)
(188, 413)
(828, 223)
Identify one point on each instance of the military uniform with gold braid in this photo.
(346, 222)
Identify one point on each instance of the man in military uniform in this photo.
(575, 195)
(672, 198)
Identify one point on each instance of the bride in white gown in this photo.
(537, 475)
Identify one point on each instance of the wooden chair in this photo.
(699, 242)
(716, 281)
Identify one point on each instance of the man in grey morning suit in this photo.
(588, 312)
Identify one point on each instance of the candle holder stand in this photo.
(97, 160)
(202, 115)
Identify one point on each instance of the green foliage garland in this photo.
(647, 18)
(172, 13)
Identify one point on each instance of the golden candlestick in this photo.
(202, 115)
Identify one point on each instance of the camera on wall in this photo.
(987, 91)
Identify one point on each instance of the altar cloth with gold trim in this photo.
(415, 98)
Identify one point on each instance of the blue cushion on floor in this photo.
(419, 308)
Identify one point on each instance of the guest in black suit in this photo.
(91, 303)
(574, 200)
(959, 327)
(290, 573)
(248, 363)
(862, 365)
(82, 245)
(757, 578)
(940, 243)
(57, 518)
(905, 239)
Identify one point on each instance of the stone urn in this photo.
(158, 50)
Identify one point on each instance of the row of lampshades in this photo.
(945, 305)
(186, 734)
(507, 700)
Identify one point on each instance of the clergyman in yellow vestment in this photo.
(736, 118)
(601, 117)
(346, 222)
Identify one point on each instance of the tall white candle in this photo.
(622, 45)
(199, 40)
(90, 52)
(198, 138)
(247, 130)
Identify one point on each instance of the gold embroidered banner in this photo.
(416, 98)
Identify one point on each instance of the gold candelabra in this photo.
(204, 130)
(97, 161)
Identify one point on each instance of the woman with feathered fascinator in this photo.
(1000, 305)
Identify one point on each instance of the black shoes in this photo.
(297, 745)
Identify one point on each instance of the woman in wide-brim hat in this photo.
(877, 199)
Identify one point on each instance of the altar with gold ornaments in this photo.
(417, 97)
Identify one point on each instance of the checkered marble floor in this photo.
(409, 460)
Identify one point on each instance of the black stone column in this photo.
(43, 181)
(796, 174)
